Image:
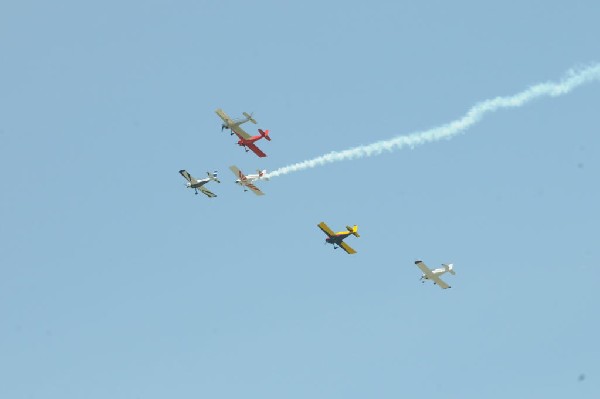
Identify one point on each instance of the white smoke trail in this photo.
(573, 79)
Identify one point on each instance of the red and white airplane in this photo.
(247, 181)
(245, 140)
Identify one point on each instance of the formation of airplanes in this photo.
(248, 183)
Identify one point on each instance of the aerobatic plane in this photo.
(229, 123)
(245, 140)
(337, 239)
(435, 274)
(247, 181)
(199, 184)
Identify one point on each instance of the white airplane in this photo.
(199, 184)
(231, 124)
(246, 181)
(434, 274)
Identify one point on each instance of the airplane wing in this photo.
(187, 176)
(237, 129)
(430, 275)
(224, 116)
(326, 229)
(347, 248)
(439, 282)
(238, 173)
(206, 192)
(256, 150)
(254, 189)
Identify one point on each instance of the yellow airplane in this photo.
(338, 238)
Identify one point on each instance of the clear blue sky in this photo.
(117, 282)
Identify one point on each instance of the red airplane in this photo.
(248, 142)
(245, 140)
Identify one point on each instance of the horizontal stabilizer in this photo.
(265, 134)
(353, 230)
(249, 116)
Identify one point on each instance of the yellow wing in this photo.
(347, 248)
(326, 229)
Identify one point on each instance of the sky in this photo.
(117, 281)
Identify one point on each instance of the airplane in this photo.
(434, 274)
(338, 238)
(199, 184)
(245, 140)
(228, 123)
(246, 181)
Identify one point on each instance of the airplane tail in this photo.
(262, 174)
(213, 176)
(265, 134)
(249, 116)
(450, 268)
(353, 230)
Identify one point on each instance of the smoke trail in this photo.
(573, 79)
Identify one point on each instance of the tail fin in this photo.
(262, 174)
(265, 134)
(353, 230)
(249, 116)
(450, 268)
(213, 176)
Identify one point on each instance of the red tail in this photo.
(264, 133)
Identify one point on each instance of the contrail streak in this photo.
(573, 79)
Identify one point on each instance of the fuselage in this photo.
(337, 238)
(197, 184)
(233, 123)
(437, 272)
(244, 142)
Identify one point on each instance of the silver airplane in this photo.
(199, 184)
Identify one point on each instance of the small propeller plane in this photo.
(435, 274)
(199, 184)
(229, 123)
(337, 239)
(246, 181)
(245, 140)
